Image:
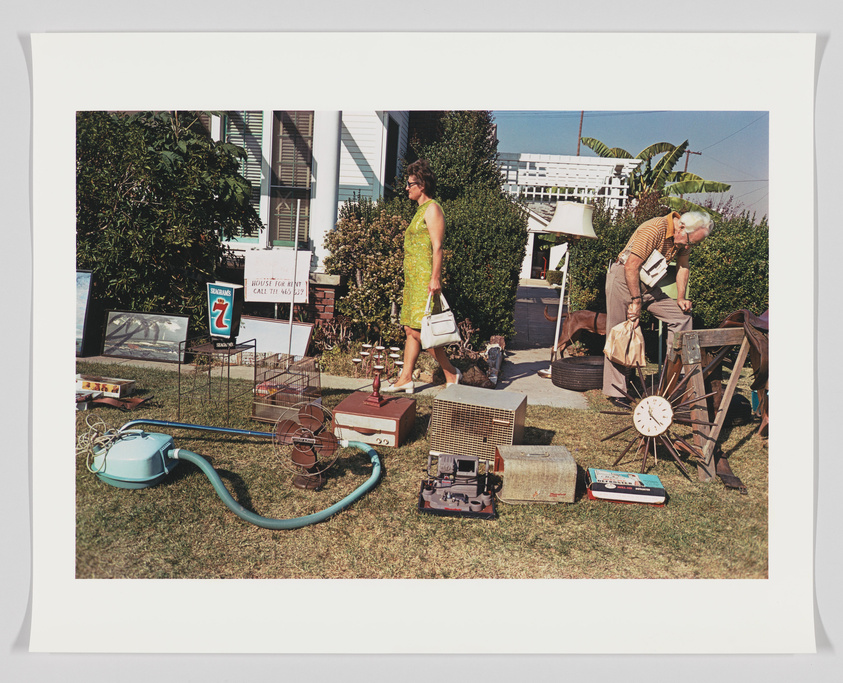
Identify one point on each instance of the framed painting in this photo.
(145, 336)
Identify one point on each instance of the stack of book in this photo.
(625, 487)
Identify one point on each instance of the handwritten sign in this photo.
(269, 275)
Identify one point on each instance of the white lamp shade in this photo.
(572, 218)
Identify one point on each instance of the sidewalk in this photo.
(525, 355)
(529, 351)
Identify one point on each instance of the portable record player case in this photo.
(385, 425)
(472, 421)
(536, 474)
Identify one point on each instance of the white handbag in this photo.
(438, 329)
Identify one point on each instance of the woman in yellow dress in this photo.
(422, 273)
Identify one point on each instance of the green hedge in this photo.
(485, 238)
(729, 270)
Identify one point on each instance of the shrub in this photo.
(485, 239)
(367, 249)
(729, 270)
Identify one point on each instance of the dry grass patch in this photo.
(180, 528)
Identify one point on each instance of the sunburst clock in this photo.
(654, 412)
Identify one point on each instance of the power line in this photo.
(735, 133)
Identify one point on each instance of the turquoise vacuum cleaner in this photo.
(132, 458)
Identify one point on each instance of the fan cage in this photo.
(282, 382)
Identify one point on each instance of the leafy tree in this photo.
(485, 240)
(658, 176)
(485, 230)
(155, 196)
(464, 157)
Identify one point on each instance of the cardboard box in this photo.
(109, 386)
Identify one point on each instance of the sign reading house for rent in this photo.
(269, 275)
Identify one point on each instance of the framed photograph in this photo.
(145, 336)
(83, 299)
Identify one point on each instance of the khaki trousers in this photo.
(655, 301)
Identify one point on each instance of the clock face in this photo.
(653, 415)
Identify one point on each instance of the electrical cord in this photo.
(96, 441)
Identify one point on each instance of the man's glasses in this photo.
(413, 184)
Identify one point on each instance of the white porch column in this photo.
(327, 134)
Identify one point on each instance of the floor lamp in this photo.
(572, 219)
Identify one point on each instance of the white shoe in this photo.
(407, 387)
(459, 377)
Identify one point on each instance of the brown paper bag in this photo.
(625, 345)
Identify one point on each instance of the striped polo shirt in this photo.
(654, 234)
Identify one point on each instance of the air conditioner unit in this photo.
(472, 421)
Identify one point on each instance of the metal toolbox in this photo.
(385, 425)
(472, 421)
(536, 474)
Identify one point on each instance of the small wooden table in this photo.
(686, 353)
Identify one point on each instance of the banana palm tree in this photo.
(658, 175)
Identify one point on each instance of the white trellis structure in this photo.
(548, 178)
(544, 179)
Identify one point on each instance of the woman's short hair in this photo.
(424, 174)
(697, 220)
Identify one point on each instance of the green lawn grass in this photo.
(181, 529)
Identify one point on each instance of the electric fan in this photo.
(305, 444)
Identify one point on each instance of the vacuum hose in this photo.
(275, 524)
(248, 515)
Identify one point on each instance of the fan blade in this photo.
(304, 456)
(326, 445)
(311, 417)
(285, 430)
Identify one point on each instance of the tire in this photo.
(577, 373)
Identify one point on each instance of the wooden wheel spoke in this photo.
(693, 400)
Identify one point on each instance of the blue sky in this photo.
(733, 145)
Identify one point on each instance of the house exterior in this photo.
(303, 165)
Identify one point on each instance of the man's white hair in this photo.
(697, 220)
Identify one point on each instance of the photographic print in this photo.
(332, 175)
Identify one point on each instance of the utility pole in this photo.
(688, 154)
(579, 137)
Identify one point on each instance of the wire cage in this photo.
(213, 383)
(282, 382)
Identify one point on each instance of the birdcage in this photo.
(282, 382)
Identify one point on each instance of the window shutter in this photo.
(245, 129)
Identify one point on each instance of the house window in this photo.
(245, 129)
(290, 180)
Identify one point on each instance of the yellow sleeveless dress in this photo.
(418, 267)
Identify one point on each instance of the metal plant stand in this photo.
(205, 379)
